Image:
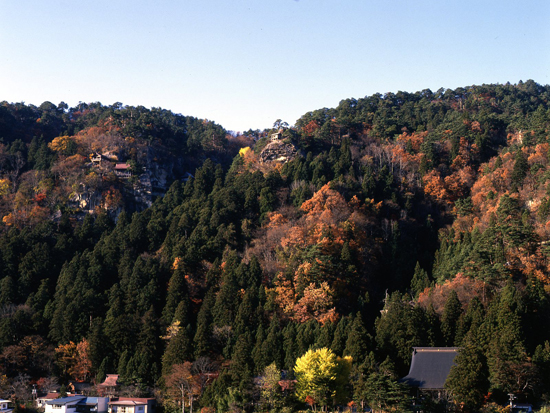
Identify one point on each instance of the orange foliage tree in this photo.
(308, 250)
(466, 288)
(74, 359)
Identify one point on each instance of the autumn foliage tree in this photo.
(181, 384)
(73, 359)
(320, 376)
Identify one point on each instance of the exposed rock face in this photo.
(278, 151)
(138, 190)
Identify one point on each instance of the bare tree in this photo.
(203, 369)
(21, 388)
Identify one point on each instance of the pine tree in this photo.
(131, 374)
(203, 335)
(148, 348)
(420, 281)
(361, 372)
(340, 337)
(468, 380)
(255, 273)
(358, 340)
(541, 359)
(7, 291)
(289, 345)
(118, 325)
(536, 313)
(244, 318)
(471, 321)
(258, 356)
(177, 292)
(272, 347)
(102, 371)
(97, 350)
(399, 328)
(324, 339)
(182, 312)
(241, 360)
(521, 168)
(433, 327)
(226, 305)
(305, 336)
(506, 351)
(178, 350)
(123, 365)
(450, 318)
(369, 183)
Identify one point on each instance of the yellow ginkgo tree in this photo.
(321, 377)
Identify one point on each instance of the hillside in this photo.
(408, 219)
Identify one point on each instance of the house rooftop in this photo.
(430, 367)
(66, 400)
(54, 395)
(127, 403)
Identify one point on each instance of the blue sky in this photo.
(246, 63)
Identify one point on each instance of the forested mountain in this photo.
(408, 219)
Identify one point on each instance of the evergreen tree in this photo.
(241, 360)
(226, 305)
(203, 336)
(177, 293)
(433, 327)
(521, 168)
(244, 320)
(541, 359)
(178, 350)
(289, 345)
(450, 318)
(340, 337)
(471, 321)
(324, 339)
(420, 281)
(468, 380)
(123, 365)
(102, 371)
(305, 336)
(506, 350)
(258, 356)
(272, 346)
(400, 328)
(385, 393)
(7, 291)
(97, 351)
(358, 340)
(181, 313)
(148, 348)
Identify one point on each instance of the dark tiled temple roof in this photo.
(430, 367)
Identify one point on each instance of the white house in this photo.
(5, 406)
(42, 400)
(132, 405)
(78, 404)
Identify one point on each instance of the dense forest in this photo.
(407, 219)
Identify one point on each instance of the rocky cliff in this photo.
(278, 151)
